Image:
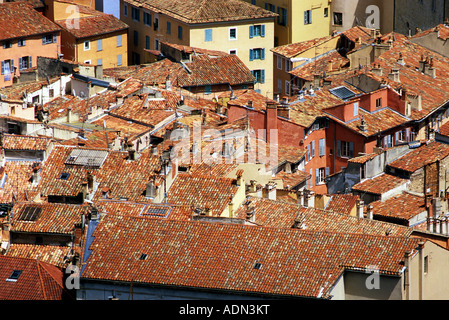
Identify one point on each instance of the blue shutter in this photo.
(311, 178)
(99, 45)
(262, 76)
(251, 31)
(407, 133)
(326, 171)
(3, 67)
(385, 141)
(284, 16)
(279, 15)
(30, 62)
(396, 137)
(12, 65)
(55, 38)
(262, 54)
(321, 147)
(20, 64)
(308, 146)
(313, 148)
(305, 17)
(251, 54)
(317, 175)
(208, 35)
(262, 30)
(338, 148)
(351, 149)
(119, 40)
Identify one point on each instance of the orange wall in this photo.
(34, 48)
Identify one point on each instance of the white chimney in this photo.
(369, 212)
(271, 190)
(360, 206)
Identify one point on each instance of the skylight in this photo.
(64, 176)
(14, 276)
(30, 214)
(342, 92)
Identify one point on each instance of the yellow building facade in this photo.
(90, 36)
(298, 21)
(250, 39)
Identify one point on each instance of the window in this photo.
(270, 7)
(30, 213)
(253, 2)
(119, 60)
(426, 264)
(362, 171)
(379, 103)
(308, 17)
(156, 24)
(99, 62)
(119, 40)
(136, 38)
(321, 147)
(156, 44)
(49, 38)
(279, 85)
(233, 51)
(64, 176)
(257, 54)
(168, 27)
(257, 31)
(208, 89)
(259, 75)
(208, 35)
(232, 33)
(179, 32)
(321, 174)
(345, 149)
(288, 65)
(313, 149)
(279, 62)
(7, 44)
(287, 88)
(125, 10)
(355, 109)
(25, 63)
(282, 16)
(326, 12)
(99, 45)
(7, 67)
(14, 276)
(51, 93)
(388, 141)
(86, 45)
(21, 43)
(135, 58)
(147, 18)
(147, 42)
(338, 18)
(135, 13)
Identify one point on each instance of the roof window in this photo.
(14, 276)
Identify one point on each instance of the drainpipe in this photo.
(421, 271)
(407, 275)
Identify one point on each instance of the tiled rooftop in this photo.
(293, 262)
(379, 184)
(49, 254)
(342, 203)
(22, 14)
(419, 157)
(37, 280)
(30, 143)
(205, 11)
(402, 206)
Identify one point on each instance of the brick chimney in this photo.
(271, 119)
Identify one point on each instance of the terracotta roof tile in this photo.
(49, 254)
(402, 206)
(204, 11)
(342, 203)
(37, 281)
(22, 14)
(419, 157)
(31, 143)
(293, 262)
(379, 184)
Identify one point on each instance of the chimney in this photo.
(329, 66)
(422, 64)
(240, 180)
(252, 186)
(154, 150)
(373, 33)
(369, 212)
(394, 75)
(284, 111)
(69, 115)
(360, 206)
(131, 154)
(271, 190)
(377, 70)
(400, 59)
(363, 124)
(150, 191)
(270, 119)
(316, 80)
(430, 69)
(300, 197)
(231, 208)
(415, 102)
(251, 214)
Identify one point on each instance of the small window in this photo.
(147, 19)
(64, 176)
(21, 43)
(179, 32)
(86, 45)
(168, 27)
(257, 265)
(51, 93)
(147, 42)
(7, 44)
(14, 275)
(99, 45)
(338, 18)
(125, 10)
(279, 62)
(233, 51)
(135, 14)
(99, 62)
(207, 89)
(119, 40)
(308, 17)
(143, 256)
(326, 12)
(136, 38)
(379, 103)
(426, 264)
(208, 35)
(232, 33)
(119, 60)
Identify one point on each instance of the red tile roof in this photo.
(379, 184)
(419, 157)
(49, 254)
(20, 20)
(205, 11)
(202, 191)
(37, 281)
(402, 206)
(93, 23)
(31, 143)
(293, 262)
(66, 215)
(342, 203)
(291, 180)
(18, 185)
